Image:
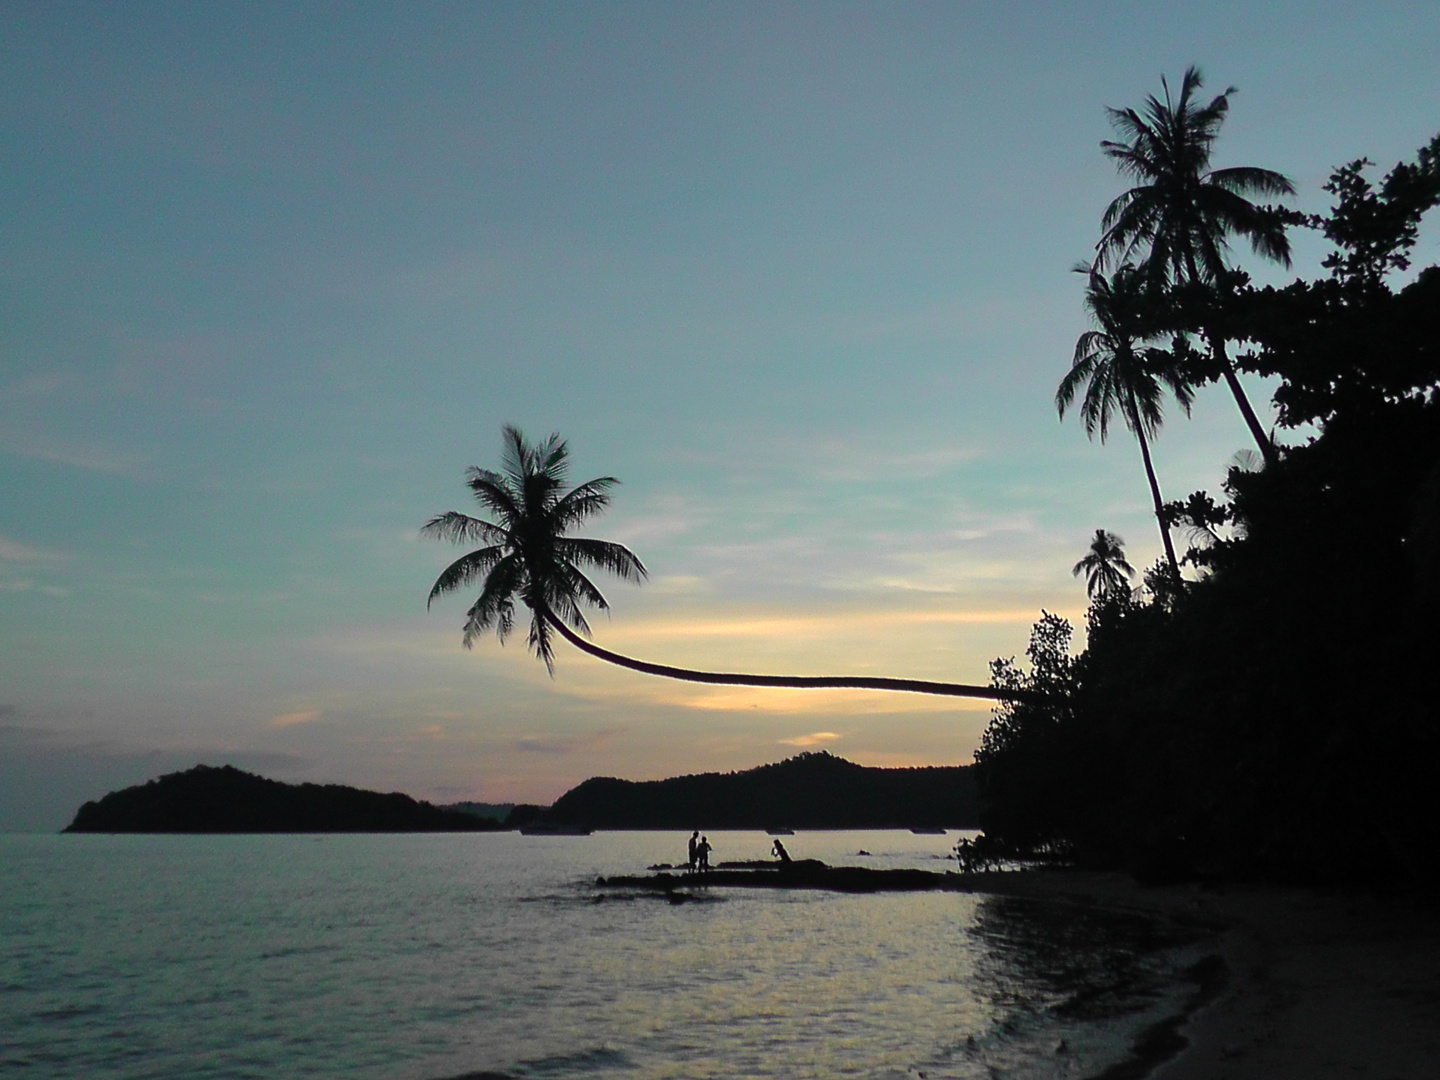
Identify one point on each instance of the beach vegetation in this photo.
(1276, 717)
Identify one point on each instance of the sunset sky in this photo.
(273, 276)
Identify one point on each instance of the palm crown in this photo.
(527, 552)
(1118, 372)
(1104, 566)
(1180, 210)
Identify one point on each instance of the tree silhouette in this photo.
(528, 554)
(1104, 566)
(1180, 212)
(1122, 376)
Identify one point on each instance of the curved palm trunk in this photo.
(1159, 502)
(914, 686)
(1222, 360)
(1262, 440)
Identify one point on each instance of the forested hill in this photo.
(810, 791)
(207, 799)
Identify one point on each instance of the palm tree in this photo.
(1121, 376)
(1180, 212)
(1104, 566)
(527, 553)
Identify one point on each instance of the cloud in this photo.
(814, 739)
(17, 560)
(14, 551)
(78, 455)
(562, 745)
(291, 719)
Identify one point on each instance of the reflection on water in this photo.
(417, 957)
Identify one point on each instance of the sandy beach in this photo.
(1317, 984)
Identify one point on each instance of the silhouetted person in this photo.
(778, 850)
(702, 853)
(694, 843)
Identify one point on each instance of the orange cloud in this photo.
(290, 719)
(814, 739)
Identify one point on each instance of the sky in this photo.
(273, 276)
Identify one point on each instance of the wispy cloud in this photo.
(91, 457)
(816, 738)
(14, 551)
(535, 744)
(293, 719)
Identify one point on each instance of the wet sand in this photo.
(1315, 985)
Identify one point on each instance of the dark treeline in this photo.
(809, 791)
(207, 799)
(1274, 712)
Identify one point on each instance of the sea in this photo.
(494, 955)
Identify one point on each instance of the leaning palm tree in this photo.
(1121, 375)
(1106, 570)
(527, 553)
(1180, 211)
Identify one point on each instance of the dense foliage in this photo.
(1275, 715)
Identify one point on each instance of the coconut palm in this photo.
(1120, 375)
(1106, 571)
(528, 554)
(1180, 212)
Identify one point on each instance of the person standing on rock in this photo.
(694, 844)
(702, 854)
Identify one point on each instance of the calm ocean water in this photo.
(425, 957)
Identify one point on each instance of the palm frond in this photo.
(603, 555)
(465, 570)
(582, 588)
(539, 640)
(1245, 179)
(495, 606)
(494, 492)
(585, 501)
(460, 528)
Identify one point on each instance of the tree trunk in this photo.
(1222, 360)
(914, 686)
(1262, 440)
(1155, 496)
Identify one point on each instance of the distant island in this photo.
(809, 791)
(207, 799)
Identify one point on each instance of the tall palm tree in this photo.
(1105, 568)
(1180, 211)
(527, 553)
(1121, 375)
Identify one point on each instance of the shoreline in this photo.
(1293, 983)
(1315, 984)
